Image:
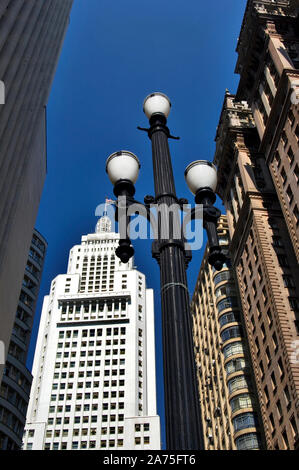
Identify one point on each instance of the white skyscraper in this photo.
(94, 384)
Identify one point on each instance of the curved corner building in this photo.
(16, 380)
(226, 388)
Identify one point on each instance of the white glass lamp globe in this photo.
(122, 165)
(156, 103)
(201, 174)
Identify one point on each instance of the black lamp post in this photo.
(182, 410)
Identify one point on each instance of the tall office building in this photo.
(16, 380)
(94, 381)
(257, 156)
(268, 64)
(267, 270)
(229, 405)
(32, 33)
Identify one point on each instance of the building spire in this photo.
(104, 223)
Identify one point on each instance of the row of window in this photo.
(238, 383)
(111, 443)
(233, 349)
(92, 332)
(85, 419)
(245, 420)
(13, 397)
(222, 276)
(91, 307)
(231, 332)
(248, 441)
(230, 317)
(83, 364)
(229, 302)
(245, 400)
(17, 376)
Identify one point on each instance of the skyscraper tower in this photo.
(16, 380)
(94, 381)
(32, 34)
(229, 405)
(257, 157)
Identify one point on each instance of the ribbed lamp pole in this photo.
(182, 411)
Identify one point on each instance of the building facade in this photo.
(16, 380)
(94, 381)
(229, 405)
(268, 64)
(257, 156)
(267, 270)
(32, 34)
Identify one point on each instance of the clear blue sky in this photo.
(116, 53)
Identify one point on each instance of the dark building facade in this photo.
(32, 34)
(16, 380)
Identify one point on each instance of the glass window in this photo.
(237, 383)
(233, 348)
(229, 302)
(232, 332)
(225, 290)
(241, 401)
(235, 365)
(229, 318)
(248, 441)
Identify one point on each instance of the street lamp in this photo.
(182, 411)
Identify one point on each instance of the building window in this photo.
(277, 159)
(230, 317)
(262, 369)
(275, 342)
(241, 401)
(243, 421)
(279, 411)
(237, 383)
(235, 365)
(266, 391)
(248, 442)
(283, 175)
(290, 155)
(229, 302)
(294, 427)
(272, 422)
(273, 382)
(285, 439)
(232, 332)
(290, 194)
(287, 397)
(232, 349)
